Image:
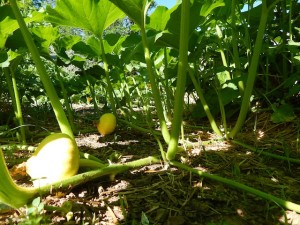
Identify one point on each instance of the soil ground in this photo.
(161, 195)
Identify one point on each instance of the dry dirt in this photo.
(157, 194)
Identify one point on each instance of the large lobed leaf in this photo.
(134, 9)
(167, 21)
(46, 35)
(8, 23)
(94, 15)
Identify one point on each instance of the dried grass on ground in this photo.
(174, 197)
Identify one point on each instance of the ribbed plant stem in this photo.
(235, 50)
(13, 92)
(10, 193)
(252, 72)
(181, 79)
(155, 91)
(94, 174)
(50, 90)
(17, 196)
(200, 94)
(109, 85)
(18, 112)
(268, 154)
(284, 203)
(65, 96)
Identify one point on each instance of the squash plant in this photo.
(74, 13)
(182, 40)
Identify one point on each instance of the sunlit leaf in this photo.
(170, 35)
(6, 58)
(94, 44)
(159, 18)
(134, 9)
(67, 42)
(46, 36)
(113, 43)
(8, 23)
(94, 16)
(209, 6)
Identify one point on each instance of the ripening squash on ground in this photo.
(107, 124)
(56, 158)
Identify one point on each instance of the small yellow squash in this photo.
(107, 124)
(56, 158)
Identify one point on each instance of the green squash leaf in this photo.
(284, 113)
(171, 33)
(8, 23)
(134, 9)
(67, 42)
(209, 6)
(7, 58)
(159, 18)
(46, 36)
(94, 16)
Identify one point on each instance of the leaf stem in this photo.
(155, 91)
(15, 98)
(293, 160)
(109, 85)
(50, 90)
(284, 203)
(181, 79)
(10, 193)
(235, 38)
(200, 94)
(252, 71)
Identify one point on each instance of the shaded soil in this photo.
(166, 195)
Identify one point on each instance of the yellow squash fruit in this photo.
(107, 124)
(56, 158)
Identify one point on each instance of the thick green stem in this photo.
(109, 85)
(90, 163)
(50, 90)
(16, 196)
(92, 91)
(84, 155)
(141, 129)
(181, 79)
(252, 72)
(18, 112)
(10, 88)
(224, 61)
(284, 203)
(268, 154)
(200, 94)
(235, 38)
(14, 94)
(10, 193)
(167, 85)
(155, 91)
(290, 31)
(65, 96)
(112, 169)
(222, 111)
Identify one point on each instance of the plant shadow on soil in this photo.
(176, 197)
